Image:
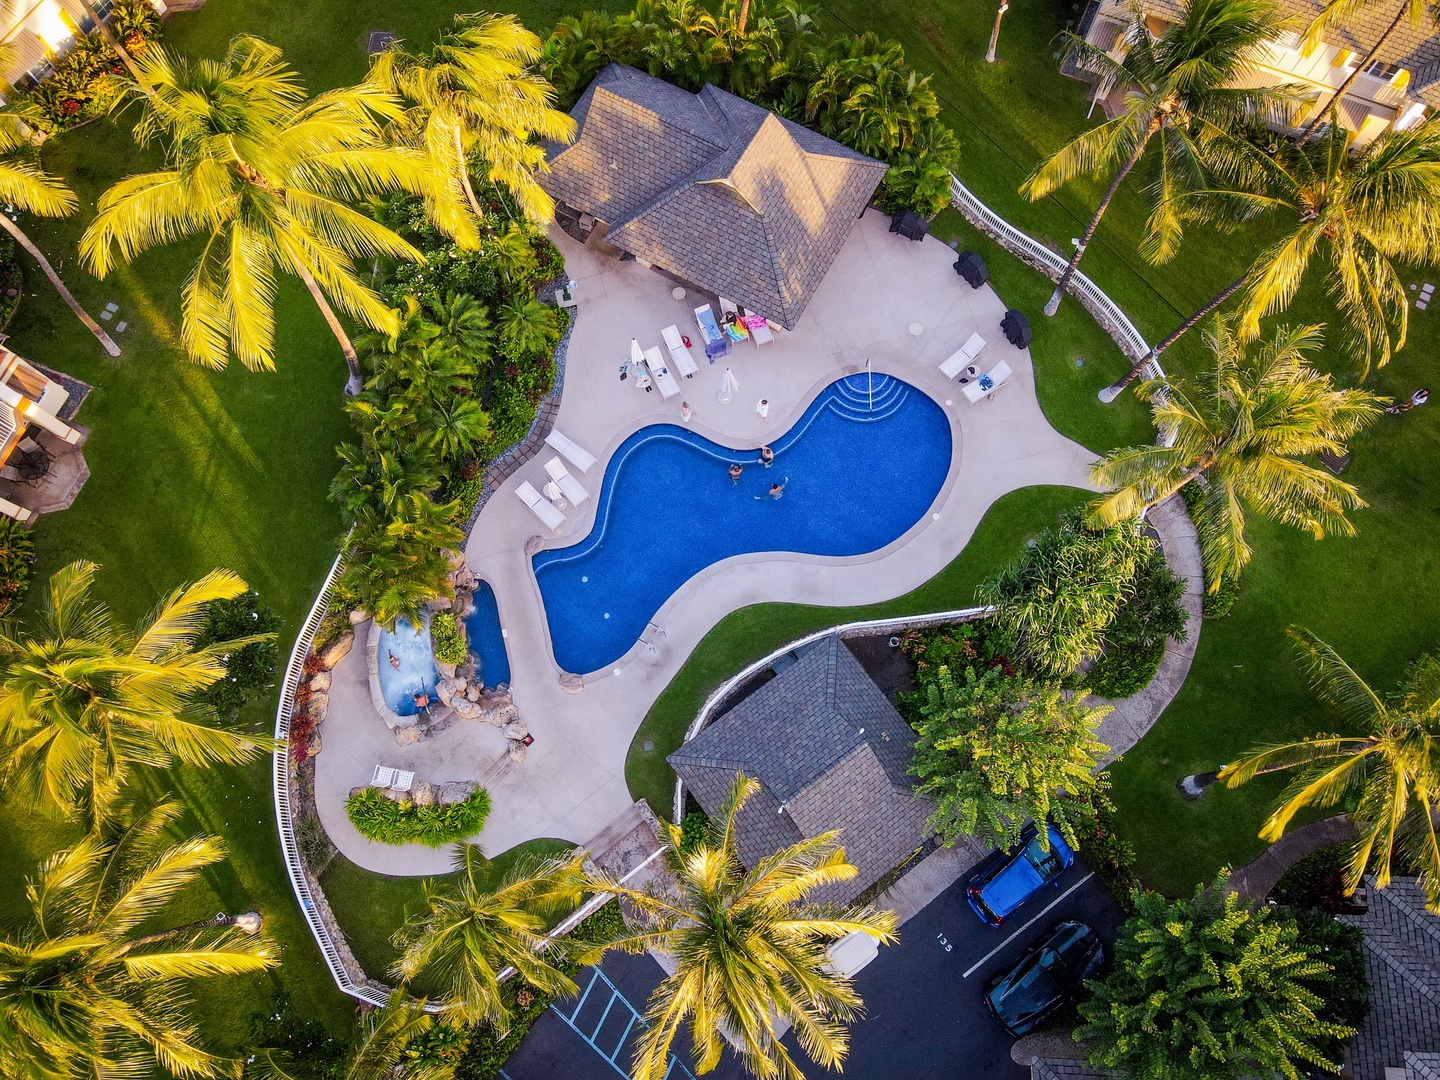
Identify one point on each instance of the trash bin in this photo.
(1016, 328)
(972, 268)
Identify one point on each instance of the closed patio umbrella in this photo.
(637, 354)
(728, 386)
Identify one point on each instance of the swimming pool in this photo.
(416, 673)
(860, 467)
(487, 643)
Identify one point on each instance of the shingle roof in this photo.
(830, 752)
(1422, 1066)
(1402, 956)
(712, 188)
(1415, 48)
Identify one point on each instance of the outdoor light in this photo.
(527, 740)
(50, 26)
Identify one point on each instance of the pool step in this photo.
(496, 771)
(853, 398)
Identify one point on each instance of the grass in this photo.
(371, 907)
(746, 635)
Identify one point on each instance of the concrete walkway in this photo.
(572, 782)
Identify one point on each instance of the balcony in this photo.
(42, 468)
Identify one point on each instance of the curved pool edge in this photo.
(906, 371)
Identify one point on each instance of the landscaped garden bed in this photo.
(417, 817)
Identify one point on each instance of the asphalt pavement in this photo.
(925, 1014)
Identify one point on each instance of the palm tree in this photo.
(474, 93)
(748, 951)
(386, 1049)
(470, 932)
(268, 177)
(527, 327)
(83, 698)
(1182, 87)
(1243, 432)
(29, 188)
(995, 32)
(1343, 11)
(397, 561)
(1357, 213)
(83, 992)
(1392, 773)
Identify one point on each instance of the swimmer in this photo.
(422, 700)
(776, 490)
(767, 456)
(735, 470)
(394, 661)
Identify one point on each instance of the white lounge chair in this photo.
(759, 330)
(679, 354)
(996, 377)
(383, 777)
(709, 328)
(960, 360)
(539, 507)
(568, 485)
(403, 781)
(663, 379)
(574, 453)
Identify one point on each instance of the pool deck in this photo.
(572, 782)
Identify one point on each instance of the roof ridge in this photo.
(661, 117)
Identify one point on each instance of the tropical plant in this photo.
(1135, 639)
(250, 667)
(748, 951)
(269, 178)
(1357, 212)
(395, 565)
(1243, 431)
(449, 643)
(1063, 593)
(392, 1045)
(1187, 86)
(17, 556)
(386, 821)
(1208, 988)
(469, 932)
(27, 187)
(1389, 778)
(92, 983)
(528, 327)
(475, 94)
(83, 699)
(993, 752)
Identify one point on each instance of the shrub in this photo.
(1346, 991)
(250, 668)
(17, 556)
(1125, 670)
(1112, 858)
(1316, 881)
(446, 638)
(311, 1052)
(694, 831)
(386, 821)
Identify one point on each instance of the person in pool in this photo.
(776, 490)
(422, 700)
(767, 456)
(735, 470)
(394, 661)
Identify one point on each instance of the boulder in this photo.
(467, 710)
(357, 790)
(422, 793)
(312, 748)
(333, 653)
(320, 682)
(516, 730)
(457, 559)
(534, 544)
(447, 670)
(500, 715)
(395, 796)
(407, 736)
(472, 692)
(445, 689)
(571, 684)
(358, 616)
(455, 791)
(441, 603)
(516, 751)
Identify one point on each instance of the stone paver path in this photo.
(572, 782)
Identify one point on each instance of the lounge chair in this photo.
(568, 485)
(679, 354)
(574, 453)
(959, 361)
(403, 781)
(539, 507)
(383, 777)
(663, 379)
(759, 330)
(709, 328)
(988, 383)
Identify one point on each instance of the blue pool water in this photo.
(861, 472)
(487, 644)
(417, 672)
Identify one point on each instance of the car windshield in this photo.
(1046, 863)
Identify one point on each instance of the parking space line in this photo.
(1016, 933)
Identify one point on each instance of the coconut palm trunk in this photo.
(1114, 390)
(995, 31)
(80, 313)
(356, 381)
(1339, 95)
(465, 173)
(743, 17)
(1054, 303)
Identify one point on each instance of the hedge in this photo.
(386, 821)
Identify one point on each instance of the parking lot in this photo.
(923, 998)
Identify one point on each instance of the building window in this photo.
(1382, 71)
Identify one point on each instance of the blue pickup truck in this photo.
(1007, 879)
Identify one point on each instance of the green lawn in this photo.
(748, 634)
